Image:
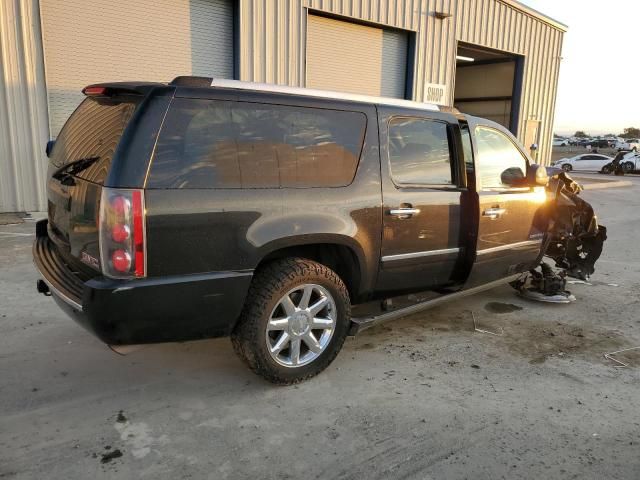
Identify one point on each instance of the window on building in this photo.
(419, 152)
(499, 161)
(218, 144)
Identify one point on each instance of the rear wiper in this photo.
(75, 167)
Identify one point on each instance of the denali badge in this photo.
(89, 260)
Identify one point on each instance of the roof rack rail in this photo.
(310, 92)
(191, 81)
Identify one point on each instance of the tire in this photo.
(272, 285)
(627, 167)
(566, 167)
(606, 170)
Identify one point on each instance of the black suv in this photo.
(210, 208)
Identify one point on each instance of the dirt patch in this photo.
(536, 340)
(499, 307)
(541, 340)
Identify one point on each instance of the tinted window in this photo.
(499, 161)
(419, 152)
(93, 130)
(217, 144)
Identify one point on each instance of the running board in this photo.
(359, 324)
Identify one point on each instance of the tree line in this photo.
(631, 132)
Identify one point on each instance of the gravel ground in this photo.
(424, 397)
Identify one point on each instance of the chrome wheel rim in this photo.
(301, 325)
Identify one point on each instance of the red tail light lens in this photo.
(122, 233)
(93, 91)
(121, 261)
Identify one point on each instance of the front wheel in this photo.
(566, 167)
(295, 320)
(627, 167)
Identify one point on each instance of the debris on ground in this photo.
(621, 364)
(121, 418)
(482, 330)
(107, 457)
(544, 285)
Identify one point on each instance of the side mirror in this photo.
(537, 176)
(49, 147)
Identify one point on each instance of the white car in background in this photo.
(630, 162)
(560, 142)
(592, 162)
(632, 144)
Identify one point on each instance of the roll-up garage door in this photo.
(355, 58)
(116, 40)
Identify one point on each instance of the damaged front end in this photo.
(574, 238)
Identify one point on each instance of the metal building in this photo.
(494, 58)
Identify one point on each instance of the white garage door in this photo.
(354, 58)
(115, 40)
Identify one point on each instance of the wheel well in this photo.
(339, 258)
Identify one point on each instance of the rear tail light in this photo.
(122, 233)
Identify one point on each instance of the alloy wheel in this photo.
(301, 325)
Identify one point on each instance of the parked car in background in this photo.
(586, 162)
(601, 143)
(560, 142)
(630, 162)
(632, 144)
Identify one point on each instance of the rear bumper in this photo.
(150, 310)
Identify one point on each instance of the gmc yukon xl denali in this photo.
(278, 216)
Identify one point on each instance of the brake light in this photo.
(92, 91)
(122, 233)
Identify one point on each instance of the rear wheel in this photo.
(295, 320)
(627, 167)
(566, 167)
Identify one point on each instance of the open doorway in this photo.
(489, 84)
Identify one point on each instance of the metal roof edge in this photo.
(537, 14)
(328, 94)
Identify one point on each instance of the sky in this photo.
(599, 85)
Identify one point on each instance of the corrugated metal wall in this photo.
(272, 43)
(23, 108)
(271, 48)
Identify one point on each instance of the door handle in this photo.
(404, 213)
(494, 213)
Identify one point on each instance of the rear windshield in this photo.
(93, 131)
(220, 144)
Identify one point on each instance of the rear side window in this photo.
(94, 130)
(219, 144)
(419, 152)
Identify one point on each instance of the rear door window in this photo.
(419, 152)
(94, 131)
(220, 144)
